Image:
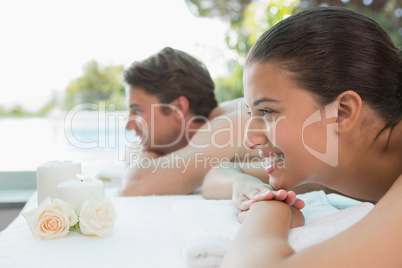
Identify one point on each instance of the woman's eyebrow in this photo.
(265, 99)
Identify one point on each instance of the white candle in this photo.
(50, 174)
(76, 191)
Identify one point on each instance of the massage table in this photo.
(164, 231)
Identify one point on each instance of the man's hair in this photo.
(172, 73)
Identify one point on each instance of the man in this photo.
(183, 132)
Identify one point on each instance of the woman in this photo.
(324, 90)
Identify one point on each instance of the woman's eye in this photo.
(266, 111)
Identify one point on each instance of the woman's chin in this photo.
(279, 183)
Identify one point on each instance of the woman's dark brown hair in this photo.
(331, 50)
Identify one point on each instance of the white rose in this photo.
(97, 217)
(51, 219)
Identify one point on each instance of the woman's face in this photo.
(284, 126)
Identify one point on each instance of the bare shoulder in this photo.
(133, 151)
(225, 128)
(379, 233)
(223, 134)
(227, 107)
(392, 200)
(375, 241)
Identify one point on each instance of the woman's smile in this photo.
(272, 161)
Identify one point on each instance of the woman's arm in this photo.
(263, 233)
(229, 181)
(218, 182)
(375, 241)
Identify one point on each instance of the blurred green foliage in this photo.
(3, 111)
(249, 19)
(18, 111)
(98, 83)
(15, 111)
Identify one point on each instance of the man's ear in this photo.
(349, 108)
(183, 105)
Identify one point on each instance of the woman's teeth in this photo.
(272, 161)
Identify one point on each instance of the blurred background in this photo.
(58, 56)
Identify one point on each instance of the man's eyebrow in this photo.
(265, 99)
(134, 106)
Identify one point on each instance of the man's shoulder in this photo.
(235, 106)
(228, 120)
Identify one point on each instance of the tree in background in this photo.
(15, 111)
(3, 111)
(249, 19)
(97, 84)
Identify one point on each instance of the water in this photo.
(91, 138)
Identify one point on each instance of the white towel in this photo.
(205, 228)
(143, 237)
(328, 226)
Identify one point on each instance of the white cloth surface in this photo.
(205, 228)
(149, 232)
(143, 237)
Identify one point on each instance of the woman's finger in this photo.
(242, 216)
(280, 195)
(290, 198)
(266, 195)
(299, 204)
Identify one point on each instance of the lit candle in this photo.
(76, 191)
(50, 174)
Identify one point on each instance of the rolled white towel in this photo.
(205, 228)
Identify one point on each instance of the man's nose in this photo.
(132, 124)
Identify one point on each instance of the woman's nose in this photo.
(256, 134)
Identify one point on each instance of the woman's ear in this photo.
(349, 108)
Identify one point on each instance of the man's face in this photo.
(159, 132)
